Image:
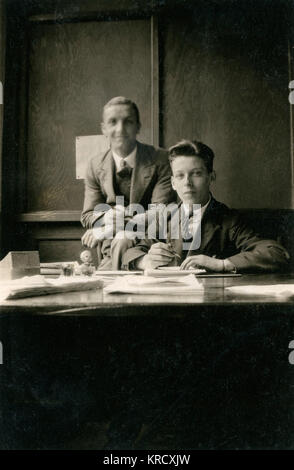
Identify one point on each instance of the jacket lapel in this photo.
(209, 226)
(142, 174)
(208, 230)
(105, 173)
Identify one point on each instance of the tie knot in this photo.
(124, 169)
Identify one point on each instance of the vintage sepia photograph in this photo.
(146, 226)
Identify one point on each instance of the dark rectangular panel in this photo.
(61, 250)
(225, 82)
(74, 70)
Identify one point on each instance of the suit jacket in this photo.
(224, 235)
(150, 182)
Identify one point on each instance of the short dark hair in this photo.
(122, 100)
(192, 148)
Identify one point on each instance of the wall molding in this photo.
(50, 216)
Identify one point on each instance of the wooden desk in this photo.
(96, 302)
(87, 370)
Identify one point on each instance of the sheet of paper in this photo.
(286, 290)
(153, 285)
(87, 146)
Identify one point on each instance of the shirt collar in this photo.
(202, 208)
(130, 159)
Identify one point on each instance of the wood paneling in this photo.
(2, 69)
(56, 240)
(291, 114)
(2, 75)
(74, 70)
(11, 191)
(154, 81)
(71, 9)
(51, 216)
(56, 230)
(61, 250)
(225, 82)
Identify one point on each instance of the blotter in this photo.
(154, 285)
(168, 271)
(176, 271)
(115, 273)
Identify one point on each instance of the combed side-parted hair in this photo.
(122, 100)
(192, 148)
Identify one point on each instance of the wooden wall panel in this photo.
(61, 250)
(60, 9)
(11, 235)
(56, 241)
(74, 70)
(2, 75)
(225, 82)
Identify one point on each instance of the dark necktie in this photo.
(124, 169)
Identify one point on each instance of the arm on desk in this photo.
(256, 253)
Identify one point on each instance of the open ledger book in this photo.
(154, 285)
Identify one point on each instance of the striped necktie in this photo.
(185, 226)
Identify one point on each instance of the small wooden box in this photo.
(17, 264)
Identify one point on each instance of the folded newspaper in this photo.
(154, 285)
(31, 286)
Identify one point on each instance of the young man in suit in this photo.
(137, 172)
(220, 240)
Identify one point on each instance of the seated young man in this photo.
(217, 239)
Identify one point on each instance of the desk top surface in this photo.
(214, 293)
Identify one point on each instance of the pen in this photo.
(170, 246)
(173, 251)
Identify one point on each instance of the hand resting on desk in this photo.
(203, 262)
(162, 254)
(208, 263)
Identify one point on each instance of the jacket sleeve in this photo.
(93, 197)
(163, 192)
(256, 253)
(133, 254)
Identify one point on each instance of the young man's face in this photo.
(121, 127)
(191, 179)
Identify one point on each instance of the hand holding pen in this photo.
(160, 254)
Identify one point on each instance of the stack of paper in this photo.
(31, 286)
(154, 285)
(285, 290)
